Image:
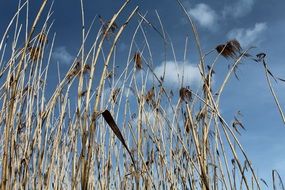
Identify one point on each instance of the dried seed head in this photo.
(109, 74)
(149, 95)
(115, 93)
(230, 49)
(77, 69)
(113, 27)
(234, 44)
(201, 115)
(138, 60)
(185, 94)
(83, 93)
(35, 53)
(86, 69)
(105, 25)
(77, 66)
(11, 79)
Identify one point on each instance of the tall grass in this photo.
(124, 129)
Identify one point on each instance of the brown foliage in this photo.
(138, 60)
(230, 49)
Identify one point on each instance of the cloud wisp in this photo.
(239, 9)
(204, 15)
(209, 18)
(248, 36)
(175, 71)
(62, 55)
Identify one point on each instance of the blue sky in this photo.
(257, 23)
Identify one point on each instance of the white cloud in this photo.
(204, 15)
(174, 72)
(249, 36)
(239, 8)
(62, 55)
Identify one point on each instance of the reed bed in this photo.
(109, 128)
